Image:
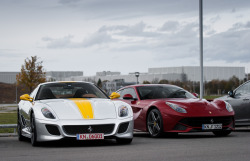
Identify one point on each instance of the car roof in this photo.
(140, 85)
(65, 82)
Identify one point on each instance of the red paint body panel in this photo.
(196, 108)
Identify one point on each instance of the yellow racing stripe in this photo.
(84, 107)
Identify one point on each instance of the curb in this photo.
(8, 134)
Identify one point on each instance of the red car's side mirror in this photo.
(128, 97)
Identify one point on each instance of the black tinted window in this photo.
(155, 92)
(130, 91)
(244, 89)
(69, 90)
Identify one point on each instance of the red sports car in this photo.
(168, 108)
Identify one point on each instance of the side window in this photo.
(32, 95)
(120, 92)
(245, 89)
(128, 91)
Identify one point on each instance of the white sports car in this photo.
(79, 110)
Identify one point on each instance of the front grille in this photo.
(81, 129)
(198, 121)
(180, 127)
(123, 127)
(52, 129)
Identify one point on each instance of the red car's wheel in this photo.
(155, 123)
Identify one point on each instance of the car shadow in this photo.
(197, 135)
(76, 143)
(81, 143)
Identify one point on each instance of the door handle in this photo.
(246, 99)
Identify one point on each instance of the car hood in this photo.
(226, 97)
(198, 107)
(194, 103)
(80, 108)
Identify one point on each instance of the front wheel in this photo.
(33, 138)
(19, 128)
(155, 123)
(221, 133)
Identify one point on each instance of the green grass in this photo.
(8, 118)
(211, 97)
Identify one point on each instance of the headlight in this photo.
(229, 107)
(176, 108)
(123, 111)
(47, 113)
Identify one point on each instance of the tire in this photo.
(33, 137)
(155, 123)
(19, 128)
(221, 133)
(123, 141)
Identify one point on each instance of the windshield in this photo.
(69, 90)
(156, 92)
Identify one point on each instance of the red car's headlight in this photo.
(176, 108)
(228, 107)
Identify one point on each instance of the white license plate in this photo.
(94, 136)
(211, 126)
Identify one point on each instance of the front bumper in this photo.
(55, 130)
(182, 124)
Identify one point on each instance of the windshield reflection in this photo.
(157, 92)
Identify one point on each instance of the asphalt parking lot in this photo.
(187, 147)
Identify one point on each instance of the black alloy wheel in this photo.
(33, 131)
(155, 123)
(19, 128)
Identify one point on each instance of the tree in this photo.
(163, 81)
(32, 73)
(99, 83)
(145, 82)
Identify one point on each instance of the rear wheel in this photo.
(221, 133)
(33, 131)
(155, 123)
(19, 128)
(123, 141)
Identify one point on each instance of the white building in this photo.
(10, 77)
(191, 73)
(188, 73)
(107, 73)
(61, 75)
(210, 72)
(129, 77)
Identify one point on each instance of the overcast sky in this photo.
(123, 35)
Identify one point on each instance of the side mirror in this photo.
(196, 95)
(114, 95)
(128, 97)
(26, 97)
(231, 93)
